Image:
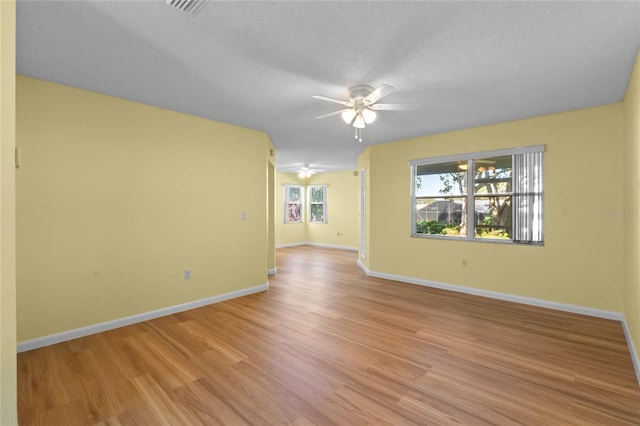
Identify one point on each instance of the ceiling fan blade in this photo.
(378, 94)
(333, 113)
(392, 107)
(338, 101)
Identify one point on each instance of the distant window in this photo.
(318, 204)
(495, 195)
(293, 199)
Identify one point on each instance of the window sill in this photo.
(473, 240)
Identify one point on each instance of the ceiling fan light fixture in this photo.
(362, 106)
(369, 115)
(348, 115)
(305, 172)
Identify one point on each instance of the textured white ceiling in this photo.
(257, 64)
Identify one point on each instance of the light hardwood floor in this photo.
(327, 345)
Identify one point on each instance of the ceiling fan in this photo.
(306, 172)
(362, 106)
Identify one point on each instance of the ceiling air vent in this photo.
(192, 7)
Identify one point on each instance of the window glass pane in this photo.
(317, 203)
(492, 175)
(440, 216)
(502, 200)
(295, 193)
(293, 203)
(442, 178)
(317, 213)
(493, 217)
(317, 195)
(293, 211)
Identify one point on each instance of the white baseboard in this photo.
(632, 349)
(364, 268)
(600, 313)
(334, 246)
(272, 271)
(279, 246)
(51, 339)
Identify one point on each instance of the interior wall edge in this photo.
(632, 349)
(363, 267)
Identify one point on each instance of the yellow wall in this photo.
(8, 394)
(341, 228)
(581, 262)
(632, 206)
(342, 211)
(116, 199)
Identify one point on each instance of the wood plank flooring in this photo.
(327, 345)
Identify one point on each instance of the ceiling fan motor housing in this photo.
(360, 92)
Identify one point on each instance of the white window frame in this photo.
(523, 235)
(287, 202)
(323, 202)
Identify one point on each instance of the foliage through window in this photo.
(495, 195)
(318, 204)
(293, 201)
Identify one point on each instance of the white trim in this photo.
(363, 213)
(324, 187)
(287, 186)
(565, 307)
(364, 268)
(333, 246)
(51, 339)
(600, 313)
(632, 349)
(476, 155)
(279, 246)
(272, 271)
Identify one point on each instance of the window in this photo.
(293, 203)
(318, 204)
(495, 195)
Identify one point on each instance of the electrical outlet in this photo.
(187, 274)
